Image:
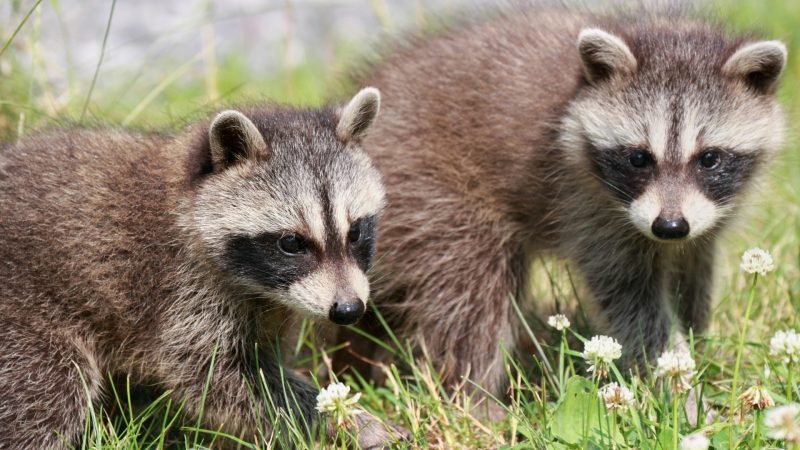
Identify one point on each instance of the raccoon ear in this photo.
(759, 65)
(604, 55)
(356, 118)
(233, 137)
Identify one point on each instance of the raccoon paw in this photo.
(693, 416)
(373, 434)
(488, 410)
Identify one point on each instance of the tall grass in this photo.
(554, 401)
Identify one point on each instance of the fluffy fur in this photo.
(127, 254)
(516, 136)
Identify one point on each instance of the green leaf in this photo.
(581, 420)
(665, 437)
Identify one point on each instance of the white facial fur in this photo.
(700, 212)
(644, 210)
(315, 294)
(301, 184)
(261, 211)
(675, 124)
(359, 282)
(356, 198)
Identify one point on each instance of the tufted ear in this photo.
(759, 65)
(359, 114)
(232, 138)
(604, 55)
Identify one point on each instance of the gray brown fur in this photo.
(487, 166)
(110, 265)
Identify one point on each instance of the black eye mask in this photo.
(261, 259)
(363, 249)
(732, 171)
(616, 168)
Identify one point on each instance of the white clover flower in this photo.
(616, 397)
(599, 352)
(334, 400)
(756, 260)
(756, 397)
(678, 367)
(559, 322)
(783, 422)
(786, 345)
(695, 441)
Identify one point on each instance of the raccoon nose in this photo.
(670, 228)
(346, 312)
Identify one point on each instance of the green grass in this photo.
(557, 410)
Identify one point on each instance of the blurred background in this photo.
(168, 58)
(164, 59)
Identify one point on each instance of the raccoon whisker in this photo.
(379, 276)
(284, 322)
(378, 259)
(250, 296)
(625, 195)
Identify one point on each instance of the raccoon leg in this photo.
(461, 318)
(693, 286)
(289, 392)
(286, 390)
(244, 395)
(43, 401)
(629, 288)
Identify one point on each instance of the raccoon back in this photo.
(87, 224)
(464, 108)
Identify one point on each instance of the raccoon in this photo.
(170, 259)
(622, 143)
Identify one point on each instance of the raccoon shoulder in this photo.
(72, 157)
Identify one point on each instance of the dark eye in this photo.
(709, 159)
(640, 159)
(292, 244)
(355, 232)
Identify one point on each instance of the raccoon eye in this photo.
(292, 244)
(640, 159)
(709, 159)
(355, 232)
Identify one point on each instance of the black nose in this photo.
(346, 312)
(670, 228)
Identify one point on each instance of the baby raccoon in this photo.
(622, 144)
(150, 256)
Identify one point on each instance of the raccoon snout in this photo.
(346, 312)
(669, 229)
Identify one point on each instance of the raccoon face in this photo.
(674, 126)
(290, 211)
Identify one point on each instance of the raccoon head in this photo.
(674, 123)
(289, 205)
